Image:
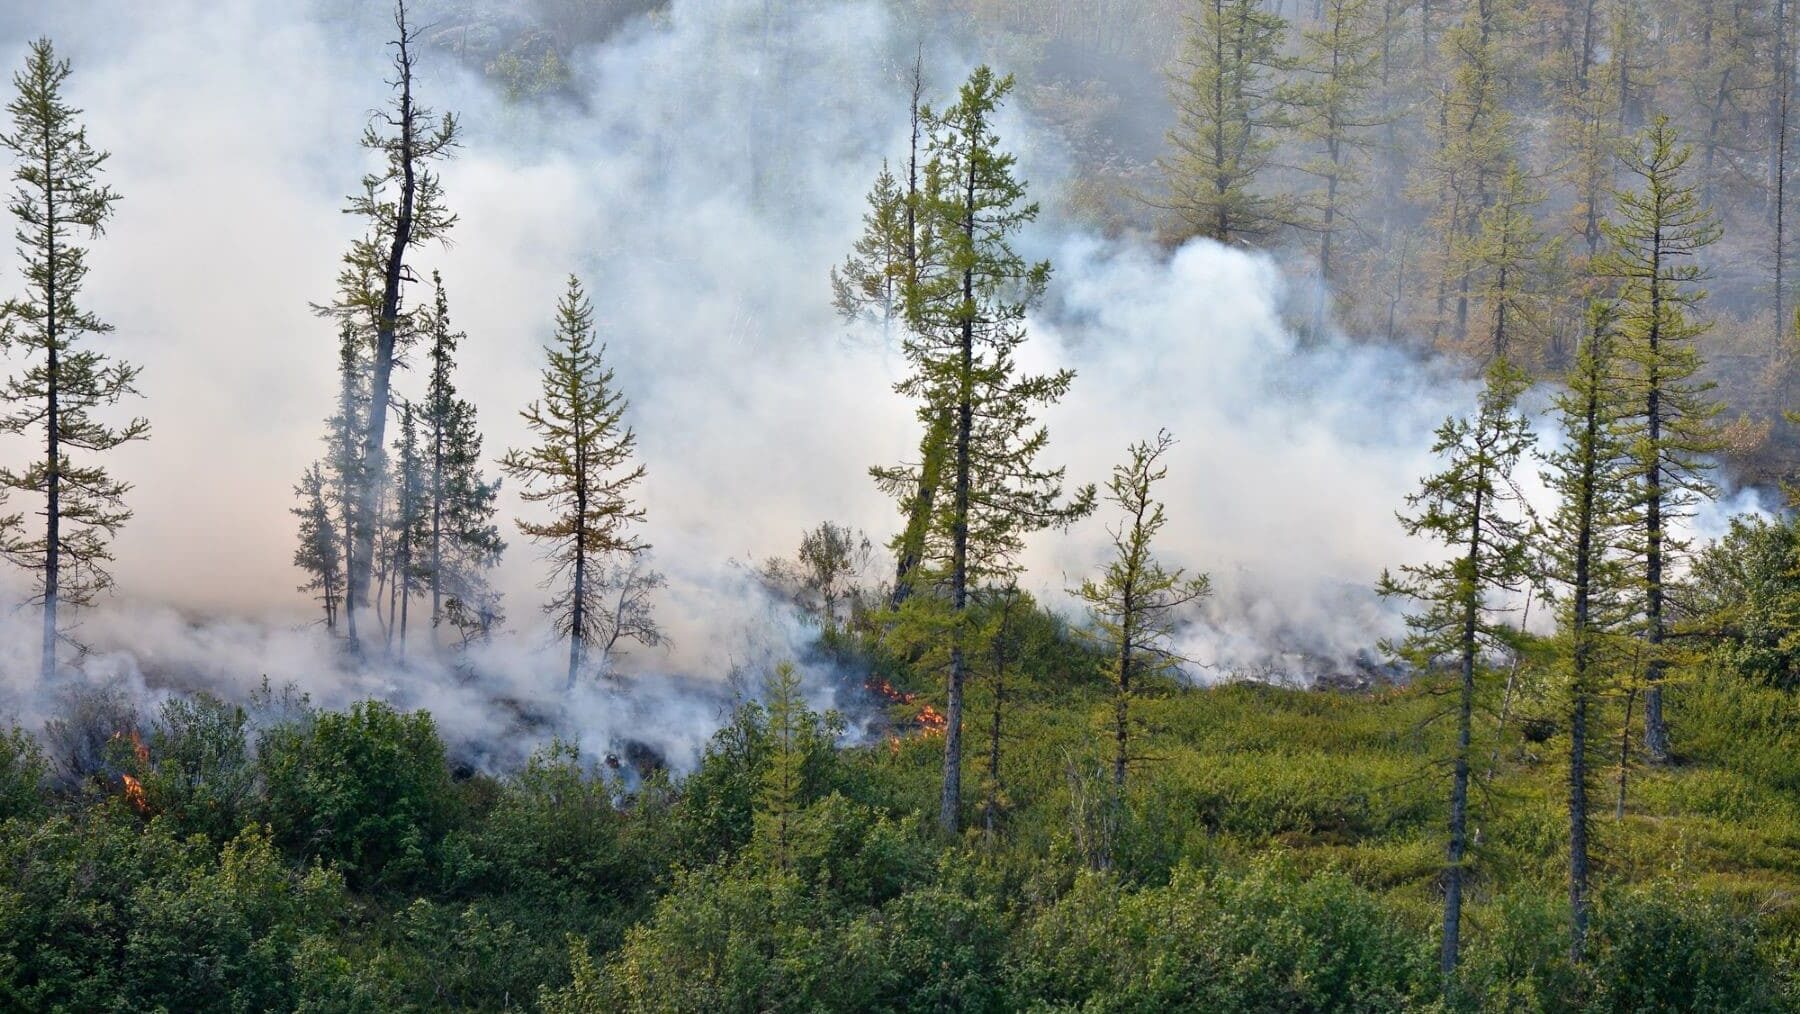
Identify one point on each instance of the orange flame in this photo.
(134, 793)
(932, 721)
(928, 721)
(134, 789)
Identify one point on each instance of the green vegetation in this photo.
(1276, 849)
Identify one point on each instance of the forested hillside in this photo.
(1301, 487)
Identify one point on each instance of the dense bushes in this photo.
(367, 790)
(1277, 851)
(1262, 940)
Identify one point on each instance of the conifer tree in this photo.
(870, 284)
(344, 466)
(408, 526)
(317, 551)
(1136, 601)
(877, 280)
(1659, 229)
(874, 279)
(1227, 111)
(582, 469)
(1340, 61)
(967, 316)
(403, 204)
(59, 196)
(1474, 143)
(1591, 477)
(462, 543)
(789, 727)
(1474, 510)
(1509, 255)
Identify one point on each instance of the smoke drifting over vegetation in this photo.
(704, 210)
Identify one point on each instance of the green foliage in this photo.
(1228, 111)
(23, 770)
(59, 400)
(224, 937)
(461, 540)
(367, 789)
(738, 937)
(1260, 941)
(200, 776)
(1745, 595)
(1135, 602)
(1665, 950)
(582, 469)
(1474, 511)
(99, 915)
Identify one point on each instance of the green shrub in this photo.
(1261, 941)
(367, 789)
(1663, 948)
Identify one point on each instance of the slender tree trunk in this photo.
(931, 449)
(52, 429)
(348, 511)
(1578, 689)
(1624, 752)
(387, 326)
(950, 807)
(1122, 706)
(1459, 779)
(578, 606)
(1656, 732)
(918, 520)
(437, 520)
(1778, 168)
(1578, 810)
(405, 598)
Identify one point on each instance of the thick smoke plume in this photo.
(710, 173)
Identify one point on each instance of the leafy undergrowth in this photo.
(1275, 849)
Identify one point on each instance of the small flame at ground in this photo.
(134, 789)
(134, 793)
(928, 721)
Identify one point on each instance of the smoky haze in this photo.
(707, 175)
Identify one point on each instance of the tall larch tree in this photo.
(784, 779)
(58, 200)
(1659, 228)
(876, 281)
(408, 527)
(582, 469)
(1474, 144)
(967, 315)
(344, 466)
(1474, 510)
(403, 206)
(1590, 475)
(1508, 257)
(1135, 603)
(316, 553)
(1334, 116)
(1227, 109)
(461, 543)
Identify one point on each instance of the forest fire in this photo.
(134, 793)
(134, 789)
(927, 721)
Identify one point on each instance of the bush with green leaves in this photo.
(366, 789)
(199, 773)
(1264, 940)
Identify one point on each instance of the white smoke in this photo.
(710, 175)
